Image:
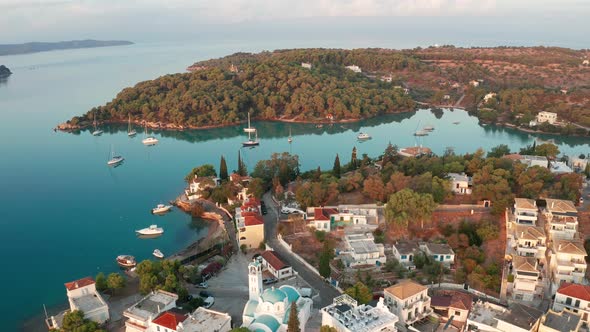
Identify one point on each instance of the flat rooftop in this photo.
(562, 321)
(517, 314)
(88, 302)
(206, 320)
(364, 246)
(152, 304)
(360, 318)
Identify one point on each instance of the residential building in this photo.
(578, 164)
(386, 78)
(414, 151)
(530, 241)
(562, 219)
(440, 252)
(141, 314)
(404, 252)
(250, 224)
(460, 183)
(408, 300)
(564, 321)
(206, 320)
(573, 298)
(452, 305)
(531, 161)
(489, 317)
(345, 315)
(268, 310)
(548, 117)
(83, 296)
(568, 262)
(168, 321)
(446, 97)
(488, 97)
(474, 83)
(306, 65)
(328, 218)
(198, 184)
(354, 68)
(528, 283)
(526, 211)
(559, 167)
(275, 265)
(361, 249)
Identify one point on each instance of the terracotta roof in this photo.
(415, 150)
(273, 260)
(253, 219)
(525, 264)
(405, 289)
(513, 156)
(79, 283)
(452, 299)
(560, 206)
(529, 232)
(575, 247)
(578, 291)
(525, 203)
(169, 319)
(324, 213)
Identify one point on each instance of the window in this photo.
(404, 256)
(158, 328)
(457, 313)
(448, 257)
(435, 256)
(568, 301)
(577, 303)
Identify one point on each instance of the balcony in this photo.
(413, 303)
(419, 316)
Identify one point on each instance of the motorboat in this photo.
(363, 136)
(421, 133)
(157, 253)
(250, 130)
(428, 128)
(126, 261)
(161, 208)
(115, 159)
(152, 230)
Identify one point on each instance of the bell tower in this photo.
(255, 279)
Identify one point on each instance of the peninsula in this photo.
(34, 47)
(501, 85)
(4, 71)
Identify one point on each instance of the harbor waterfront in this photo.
(68, 215)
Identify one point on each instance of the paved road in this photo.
(327, 292)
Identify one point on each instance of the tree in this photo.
(115, 281)
(256, 188)
(499, 151)
(201, 171)
(353, 160)
(548, 150)
(360, 292)
(244, 248)
(74, 321)
(326, 328)
(336, 168)
(242, 170)
(373, 188)
(293, 323)
(406, 205)
(390, 154)
(326, 256)
(101, 282)
(223, 169)
(240, 329)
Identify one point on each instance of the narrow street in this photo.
(327, 292)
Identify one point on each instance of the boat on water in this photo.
(161, 208)
(130, 131)
(421, 133)
(428, 128)
(115, 159)
(149, 140)
(126, 261)
(157, 253)
(363, 136)
(96, 132)
(456, 122)
(290, 139)
(250, 130)
(152, 230)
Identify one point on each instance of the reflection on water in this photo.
(152, 236)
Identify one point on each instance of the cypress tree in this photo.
(336, 168)
(353, 160)
(223, 169)
(293, 324)
(242, 171)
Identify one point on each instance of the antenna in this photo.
(45, 310)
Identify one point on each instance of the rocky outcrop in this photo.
(4, 71)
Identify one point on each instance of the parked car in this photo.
(202, 285)
(208, 302)
(268, 281)
(205, 294)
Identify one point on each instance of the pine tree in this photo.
(336, 168)
(318, 174)
(242, 171)
(353, 161)
(223, 169)
(293, 324)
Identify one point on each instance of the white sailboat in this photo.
(149, 140)
(290, 138)
(130, 132)
(96, 132)
(115, 159)
(250, 130)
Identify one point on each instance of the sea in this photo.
(66, 215)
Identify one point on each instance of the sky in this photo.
(139, 20)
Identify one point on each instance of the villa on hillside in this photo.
(452, 305)
(529, 241)
(346, 315)
(354, 68)
(306, 65)
(525, 211)
(404, 252)
(439, 252)
(409, 301)
(361, 249)
(414, 151)
(548, 117)
(328, 218)
(573, 298)
(249, 224)
(529, 281)
(562, 219)
(568, 262)
(461, 184)
(198, 184)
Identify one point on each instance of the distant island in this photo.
(34, 47)
(501, 85)
(4, 71)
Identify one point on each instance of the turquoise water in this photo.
(67, 215)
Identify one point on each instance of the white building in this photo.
(585, 62)
(328, 218)
(549, 117)
(361, 249)
(526, 211)
(249, 223)
(489, 317)
(141, 314)
(530, 241)
(409, 301)
(452, 304)
(577, 164)
(559, 167)
(440, 252)
(404, 252)
(565, 321)
(528, 283)
(474, 83)
(354, 68)
(489, 96)
(268, 310)
(568, 262)
(168, 321)
(198, 184)
(460, 183)
(561, 219)
(206, 320)
(531, 161)
(275, 265)
(306, 65)
(573, 298)
(345, 315)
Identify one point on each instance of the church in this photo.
(268, 310)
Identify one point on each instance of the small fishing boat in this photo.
(130, 131)
(363, 136)
(161, 208)
(152, 230)
(96, 132)
(157, 253)
(115, 159)
(126, 261)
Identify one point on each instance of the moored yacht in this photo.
(152, 230)
(250, 130)
(363, 136)
(115, 159)
(428, 128)
(421, 133)
(157, 253)
(149, 140)
(161, 208)
(130, 131)
(96, 132)
(126, 261)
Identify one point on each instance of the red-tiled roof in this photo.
(79, 283)
(324, 213)
(578, 291)
(252, 219)
(274, 260)
(169, 319)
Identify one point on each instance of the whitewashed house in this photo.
(328, 218)
(561, 219)
(404, 252)
(528, 283)
(206, 320)
(568, 262)
(461, 184)
(361, 249)
(455, 305)
(141, 314)
(530, 241)
(275, 265)
(563, 321)
(573, 298)
(408, 300)
(548, 117)
(346, 315)
(354, 68)
(525, 211)
(306, 65)
(489, 317)
(439, 252)
(198, 184)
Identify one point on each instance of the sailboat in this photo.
(115, 159)
(290, 138)
(250, 130)
(131, 132)
(96, 132)
(149, 140)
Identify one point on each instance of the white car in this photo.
(208, 302)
